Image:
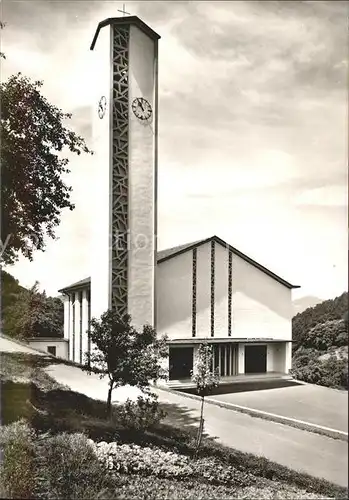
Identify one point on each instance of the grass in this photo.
(27, 391)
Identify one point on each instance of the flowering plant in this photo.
(134, 459)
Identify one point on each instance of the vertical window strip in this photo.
(80, 302)
(212, 285)
(230, 291)
(193, 331)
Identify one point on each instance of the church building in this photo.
(206, 289)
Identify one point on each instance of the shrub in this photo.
(133, 459)
(141, 414)
(17, 469)
(69, 468)
(331, 372)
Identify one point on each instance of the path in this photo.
(316, 455)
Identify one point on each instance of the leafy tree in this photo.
(323, 336)
(329, 310)
(33, 138)
(33, 314)
(206, 379)
(329, 372)
(125, 355)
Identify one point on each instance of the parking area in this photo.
(306, 402)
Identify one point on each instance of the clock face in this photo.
(141, 108)
(102, 106)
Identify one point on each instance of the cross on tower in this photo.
(123, 10)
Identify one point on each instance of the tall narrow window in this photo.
(193, 332)
(212, 285)
(230, 291)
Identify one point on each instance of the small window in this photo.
(51, 349)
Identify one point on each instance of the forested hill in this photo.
(329, 310)
(28, 312)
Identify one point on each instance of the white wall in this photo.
(262, 307)
(100, 82)
(61, 346)
(174, 296)
(221, 291)
(203, 291)
(142, 181)
(66, 316)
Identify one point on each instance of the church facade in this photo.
(207, 290)
(201, 290)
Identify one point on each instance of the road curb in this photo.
(298, 424)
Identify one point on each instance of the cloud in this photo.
(324, 196)
(253, 124)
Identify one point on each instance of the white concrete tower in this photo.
(123, 260)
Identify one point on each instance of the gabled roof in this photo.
(173, 252)
(170, 253)
(76, 286)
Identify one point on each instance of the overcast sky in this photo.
(253, 128)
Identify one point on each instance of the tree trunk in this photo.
(201, 426)
(110, 390)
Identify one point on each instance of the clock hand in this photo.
(141, 105)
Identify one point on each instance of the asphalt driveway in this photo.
(306, 402)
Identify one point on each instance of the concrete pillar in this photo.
(241, 359)
(71, 327)
(66, 317)
(288, 356)
(84, 324)
(77, 327)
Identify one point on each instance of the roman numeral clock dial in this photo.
(142, 108)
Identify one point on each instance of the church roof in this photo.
(172, 252)
(124, 21)
(169, 253)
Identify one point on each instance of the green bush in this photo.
(17, 468)
(134, 459)
(146, 488)
(330, 372)
(69, 468)
(141, 414)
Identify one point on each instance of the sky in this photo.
(253, 128)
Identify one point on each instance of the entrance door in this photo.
(255, 358)
(181, 362)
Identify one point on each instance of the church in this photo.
(204, 289)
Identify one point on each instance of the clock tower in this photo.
(125, 130)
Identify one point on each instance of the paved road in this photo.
(8, 345)
(311, 403)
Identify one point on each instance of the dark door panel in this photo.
(181, 362)
(255, 359)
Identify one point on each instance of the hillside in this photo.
(320, 348)
(28, 312)
(300, 305)
(329, 310)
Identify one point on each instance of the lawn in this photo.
(29, 393)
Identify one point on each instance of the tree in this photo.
(33, 314)
(125, 355)
(33, 194)
(206, 378)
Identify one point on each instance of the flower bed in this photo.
(134, 459)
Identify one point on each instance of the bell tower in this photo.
(125, 131)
